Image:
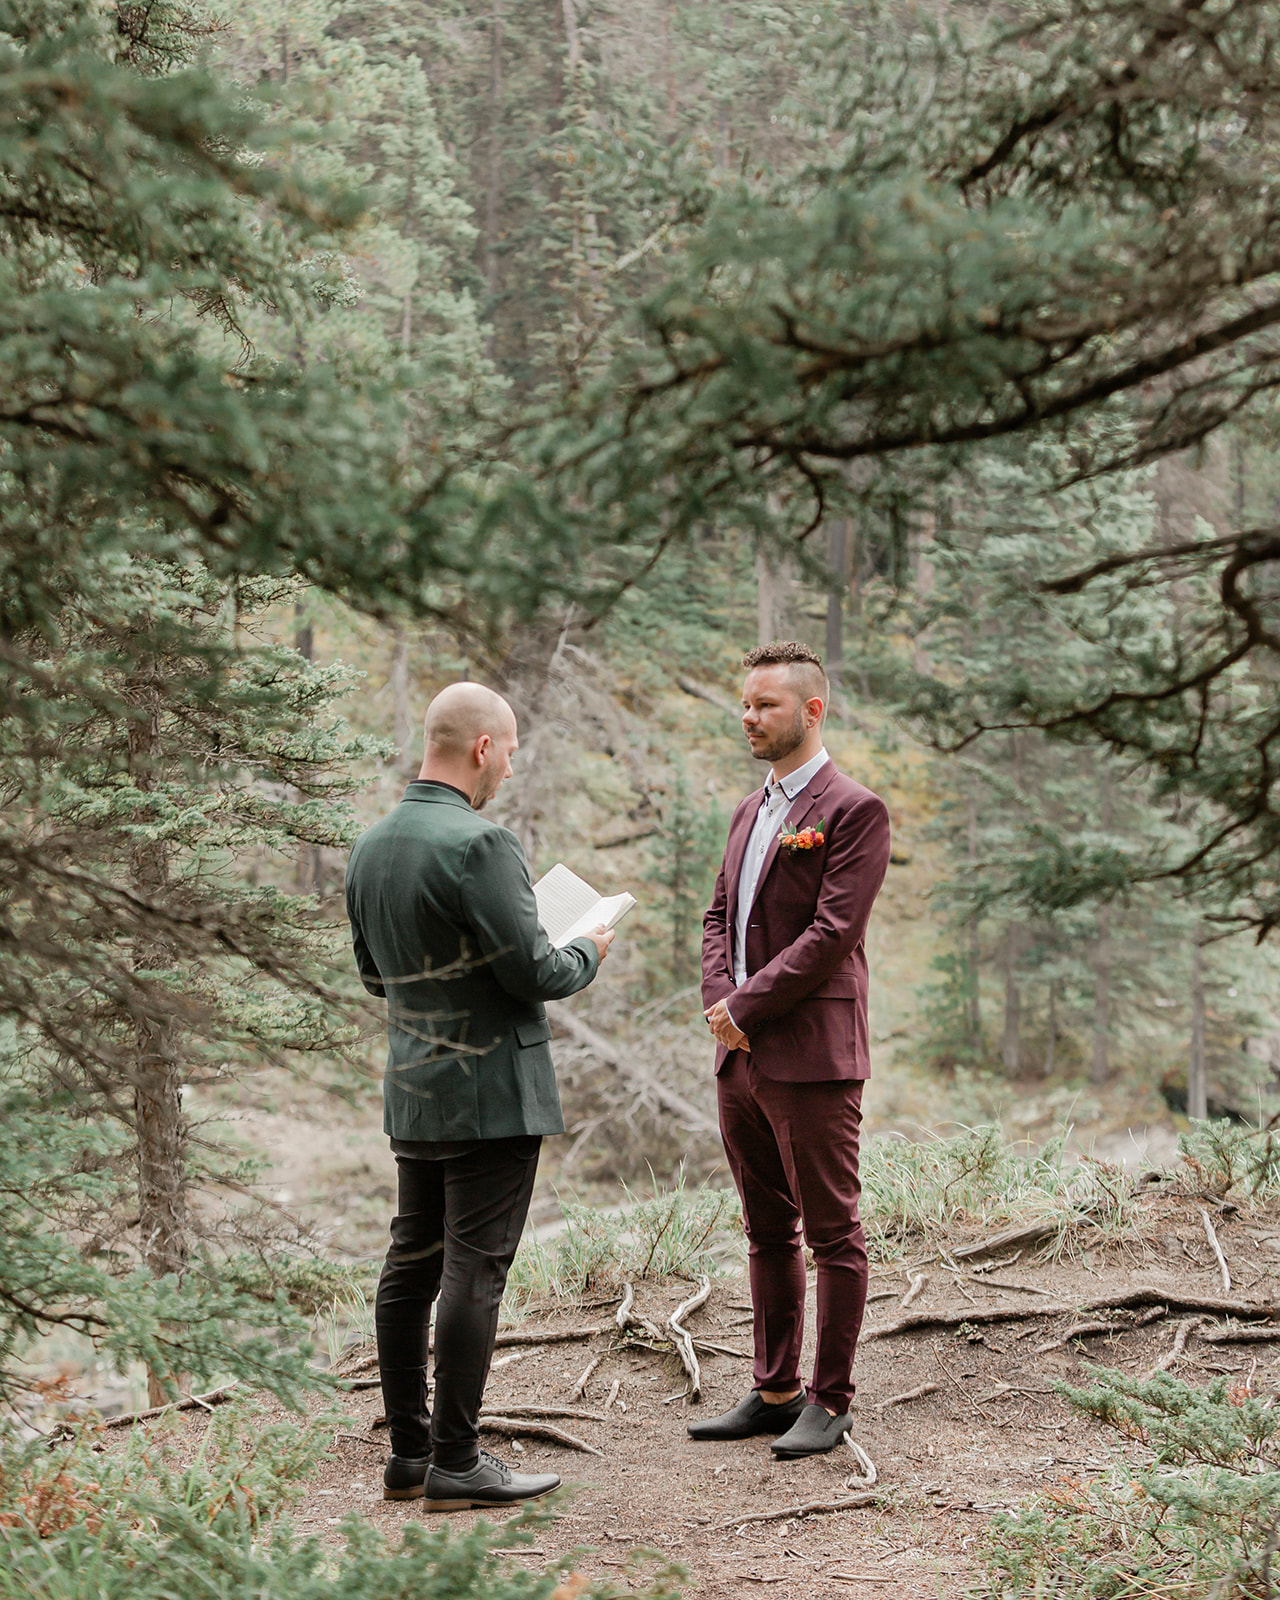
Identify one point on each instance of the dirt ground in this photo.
(990, 1435)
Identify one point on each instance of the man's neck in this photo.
(802, 754)
(439, 772)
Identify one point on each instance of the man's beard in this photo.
(484, 791)
(785, 743)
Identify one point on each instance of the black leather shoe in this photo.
(748, 1418)
(815, 1431)
(489, 1483)
(404, 1478)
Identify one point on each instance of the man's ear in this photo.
(815, 707)
(480, 749)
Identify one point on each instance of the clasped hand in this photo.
(723, 1027)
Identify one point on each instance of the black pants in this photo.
(461, 1209)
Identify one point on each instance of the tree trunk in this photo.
(1050, 1049)
(493, 192)
(975, 946)
(838, 556)
(310, 865)
(1099, 1069)
(767, 597)
(1197, 1085)
(1010, 1046)
(157, 1097)
(668, 64)
(403, 729)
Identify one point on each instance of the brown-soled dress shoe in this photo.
(404, 1478)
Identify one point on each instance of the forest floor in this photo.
(990, 1433)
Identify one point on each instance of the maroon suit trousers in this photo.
(793, 1152)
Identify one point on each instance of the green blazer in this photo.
(445, 926)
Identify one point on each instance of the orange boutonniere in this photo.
(793, 839)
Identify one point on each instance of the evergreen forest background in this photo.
(577, 346)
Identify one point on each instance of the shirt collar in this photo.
(420, 784)
(801, 777)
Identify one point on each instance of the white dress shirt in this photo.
(774, 805)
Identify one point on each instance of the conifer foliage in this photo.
(150, 743)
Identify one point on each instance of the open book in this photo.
(568, 907)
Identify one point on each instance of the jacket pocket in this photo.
(840, 986)
(534, 1030)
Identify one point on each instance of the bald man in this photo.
(445, 927)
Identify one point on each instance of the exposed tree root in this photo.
(511, 1427)
(1079, 1330)
(683, 1340)
(1179, 1347)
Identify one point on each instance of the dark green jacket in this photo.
(446, 927)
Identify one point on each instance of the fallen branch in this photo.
(1022, 1288)
(574, 1412)
(1211, 1235)
(363, 1383)
(566, 1022)
(1251, 1333)
(613, 1393)
(849, 1503)
(705, 1347)
(560, 1336)
(1031, 1233)
(1125, 1300)
(699, 691)
(684, 1340)
(191, 1402)
(917, 1393)
(918, 1282)
(510, 1427)
(1078, 1330)
(1179, 1347)
(579, 1390)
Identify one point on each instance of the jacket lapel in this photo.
(805, 802)
(734, 850)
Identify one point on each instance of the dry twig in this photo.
(579, 1390)
(867, 1477)
(613, 1393)
(918, 1282)
(1211, 1235)
(849, 1503)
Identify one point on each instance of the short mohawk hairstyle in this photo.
(782, 653)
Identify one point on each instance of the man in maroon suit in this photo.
(784, 982)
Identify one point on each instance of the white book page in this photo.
(568, 906)
(605, 913)
(563, 899)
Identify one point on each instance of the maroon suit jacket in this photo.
(804, 1004)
